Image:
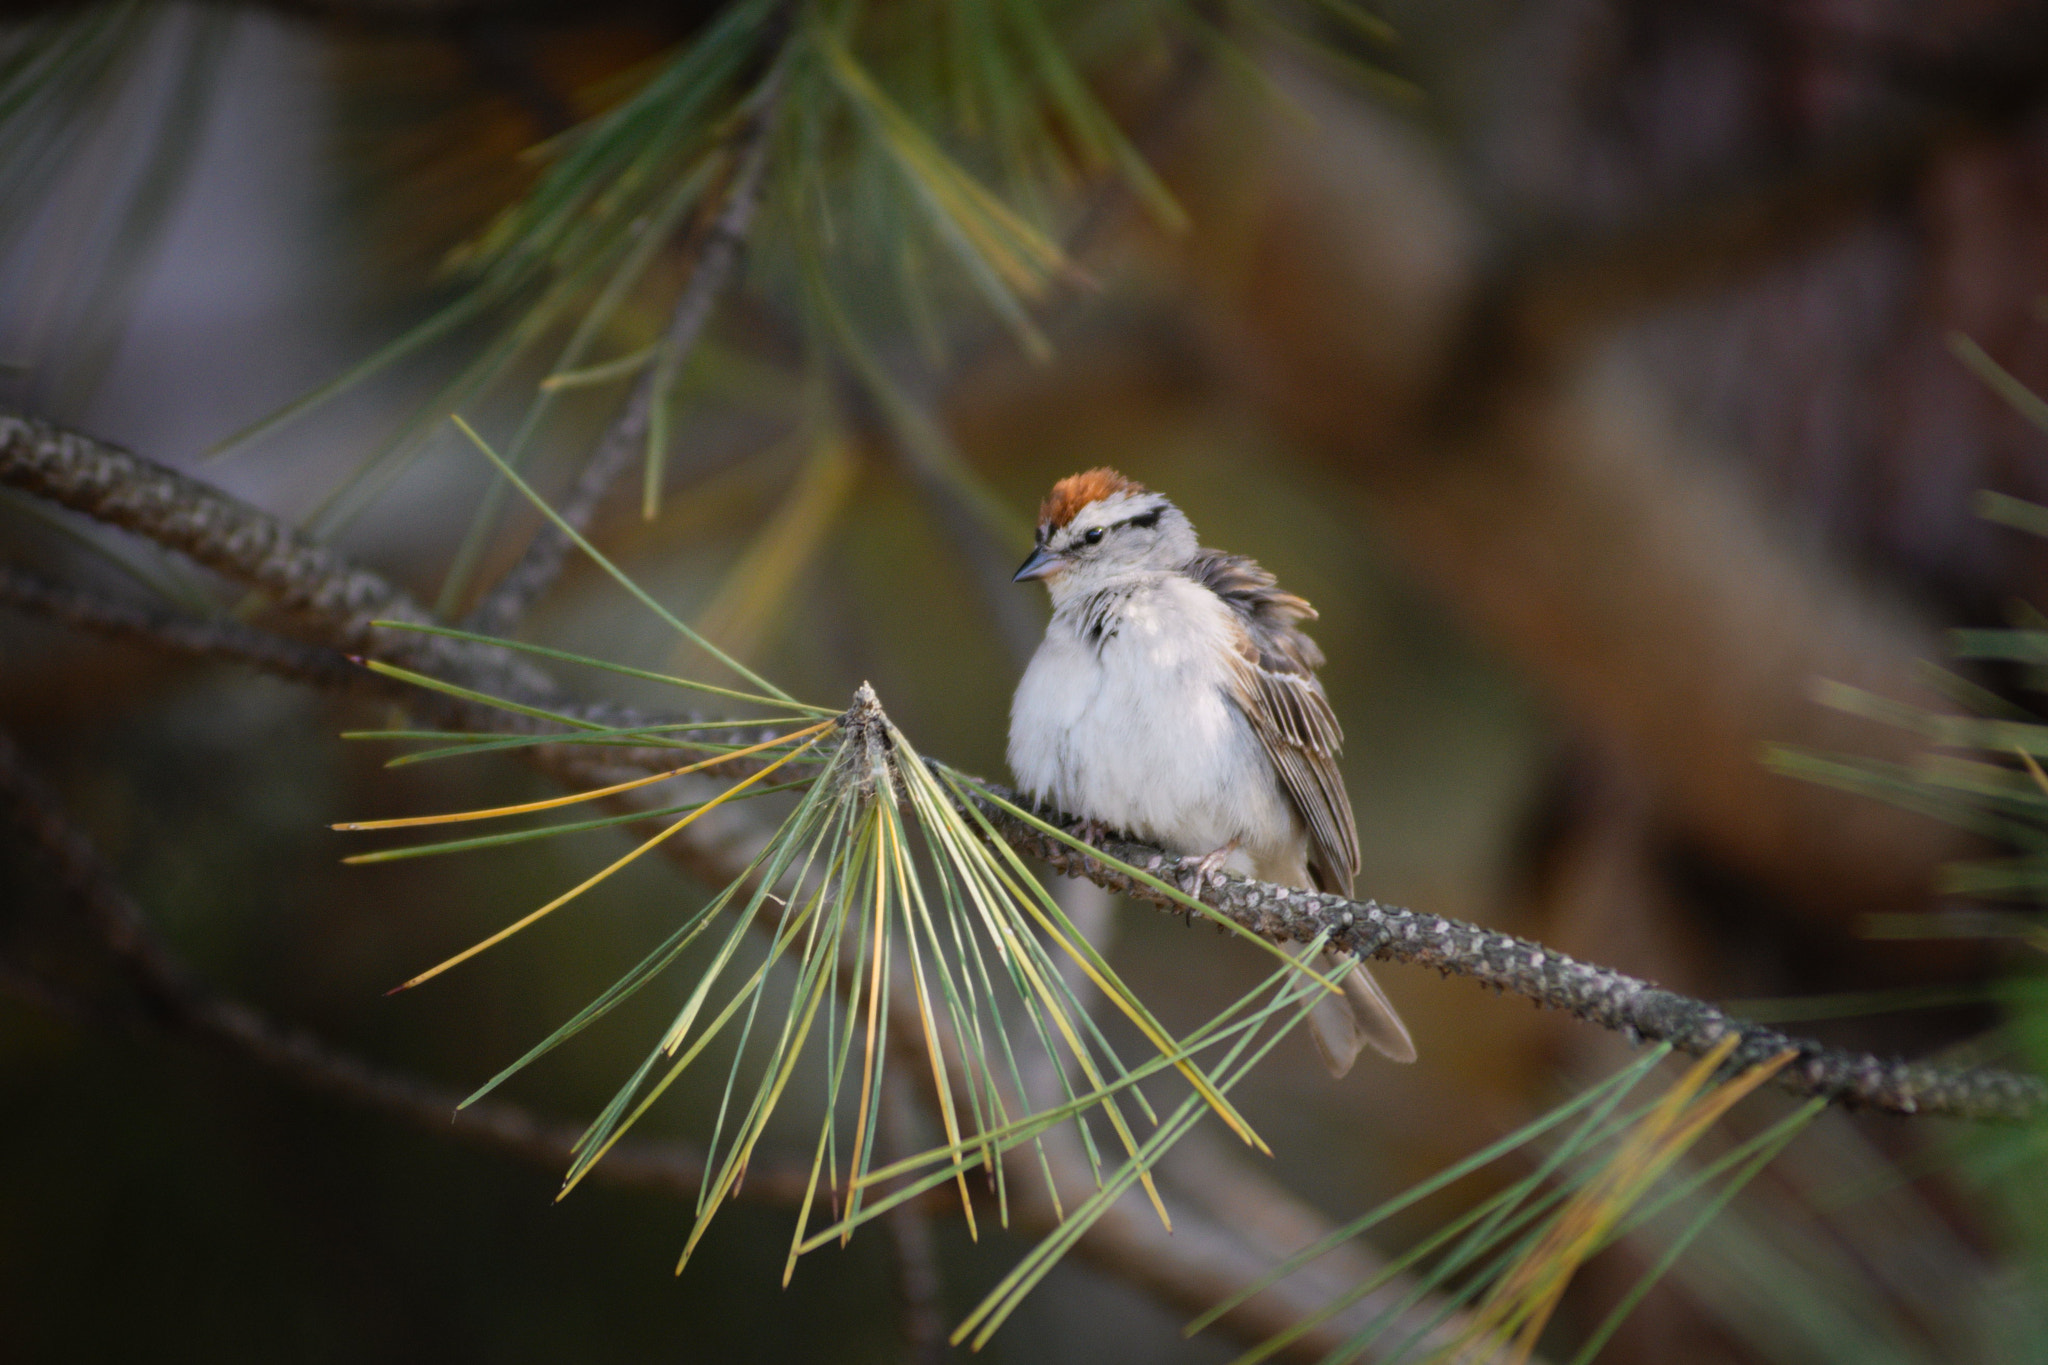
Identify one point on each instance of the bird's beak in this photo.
(1042, 564)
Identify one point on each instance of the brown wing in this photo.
(1278, 691)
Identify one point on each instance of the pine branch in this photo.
(1599, 995)
(1205, 1259)
(317, 587)
(242, 542)
(178, 633)
(310, 582)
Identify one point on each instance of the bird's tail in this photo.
(1342, 1025)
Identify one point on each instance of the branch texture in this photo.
(1609, 998)
(316, 585)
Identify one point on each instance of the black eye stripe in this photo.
(1145, 520)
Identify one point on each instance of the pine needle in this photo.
(556, 802)
(597, 877)
(1515, 1312)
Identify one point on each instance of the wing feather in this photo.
(1277, 689)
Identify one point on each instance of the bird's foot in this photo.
(1090, 832)
(1208, 868)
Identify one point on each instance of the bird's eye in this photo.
(1093, 537)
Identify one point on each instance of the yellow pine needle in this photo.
(599, 374)
(1005, 933)
(2040, 778)
(1119, 996)
(922, 796)
(1655, 1157)
(819, 1166)
(1117, 993)
(687, 1018)
(867, 1074)
(1529, 1293)
(556, 802)
(744, 1149)
(940, 1082)
(584, 1164)
(1051, 1004)
(1522, 1303)
(803, 1213)
(594, 879)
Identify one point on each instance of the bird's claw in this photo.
(1090, 832)
(1208, 868)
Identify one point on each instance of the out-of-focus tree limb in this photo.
(181, 1006)
(717, 255)
(919, 1283)
(312, 584)
(178, 633)
(1554, 287)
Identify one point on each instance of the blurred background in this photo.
(1605, 372)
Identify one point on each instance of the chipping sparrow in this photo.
(1173, 698)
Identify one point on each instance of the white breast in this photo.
(1139, 732)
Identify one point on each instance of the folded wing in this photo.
(1276, 687)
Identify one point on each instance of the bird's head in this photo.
(1098, 526)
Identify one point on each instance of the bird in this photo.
(1175, 698)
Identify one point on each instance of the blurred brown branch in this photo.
(718, 251)
(179, 1005)
(919, 1284)
(178, 633)
(1553, 289)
